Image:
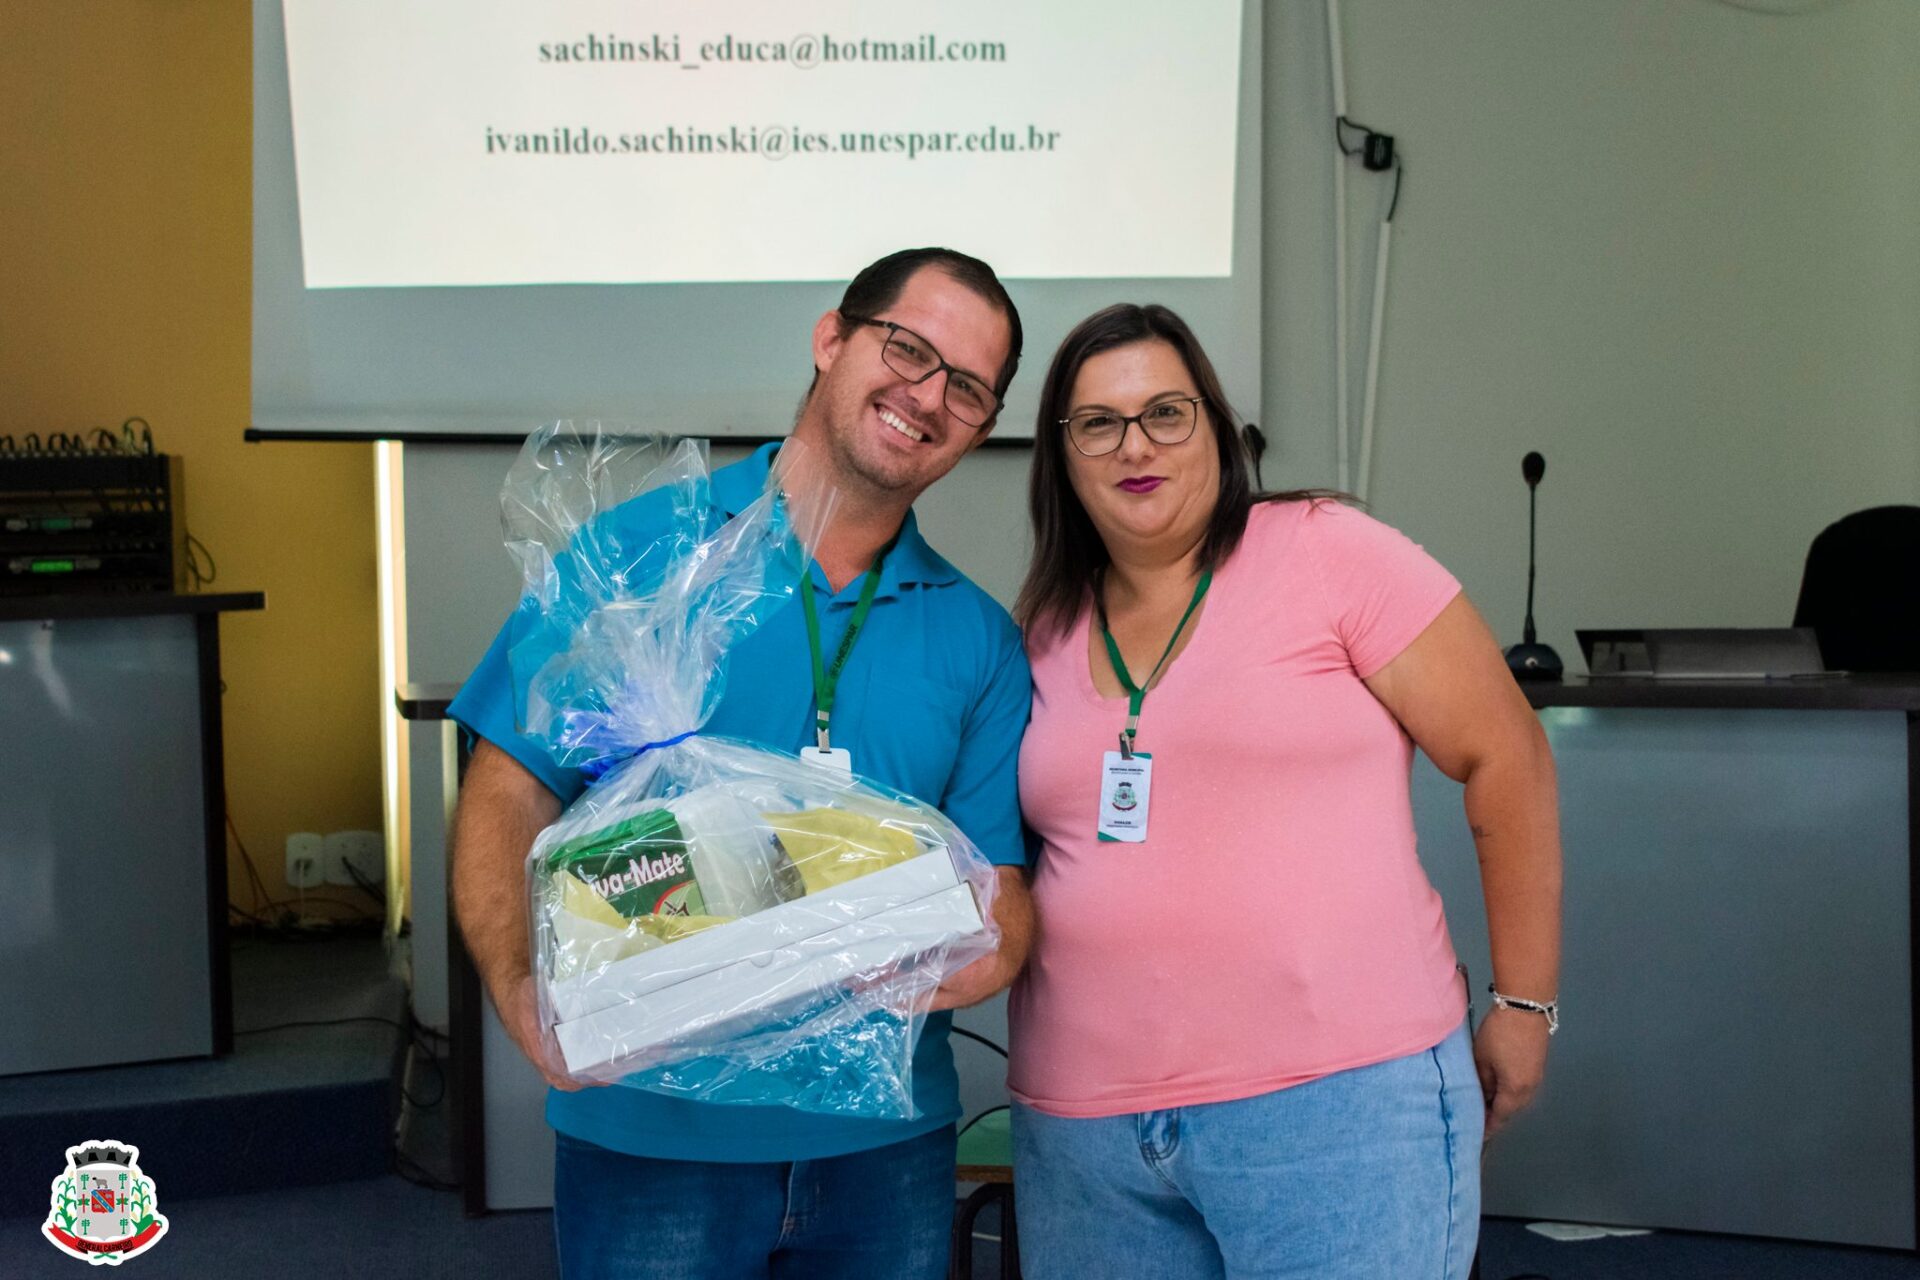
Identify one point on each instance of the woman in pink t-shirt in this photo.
(1240, 1045)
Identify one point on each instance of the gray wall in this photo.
(1671, 244)
(1668, 243)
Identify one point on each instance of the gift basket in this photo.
(711, 918)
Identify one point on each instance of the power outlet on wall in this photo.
(305, 866)
(364, 851)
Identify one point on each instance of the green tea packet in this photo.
(642, 866)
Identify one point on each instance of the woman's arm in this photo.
(1451, 690)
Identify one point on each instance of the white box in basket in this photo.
(729, 972)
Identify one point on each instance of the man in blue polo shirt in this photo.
(931, 697)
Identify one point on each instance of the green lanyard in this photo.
(826, 679)
(1137, 694)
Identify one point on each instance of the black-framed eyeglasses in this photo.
(1097, 432)
(968, 396)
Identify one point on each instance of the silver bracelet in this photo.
(1550, 1010)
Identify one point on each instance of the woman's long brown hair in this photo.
(1068, 555)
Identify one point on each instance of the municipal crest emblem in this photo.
(103, 1209)
(1123, 797)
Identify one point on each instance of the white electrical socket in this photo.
(364, 851)
(305, 853)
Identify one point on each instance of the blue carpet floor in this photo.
(292, 1105)
(228, 1182)
(381, 1228)
(388, 1229)
(1508, 1249)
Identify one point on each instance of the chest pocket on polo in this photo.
(910, 727)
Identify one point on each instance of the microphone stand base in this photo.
(1530, 662)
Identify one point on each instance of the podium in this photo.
(113, 864)
(1738, 978)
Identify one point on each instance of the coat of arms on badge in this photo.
(103, 1206)
(1123, 797)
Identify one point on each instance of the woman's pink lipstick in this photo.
(1142, 484)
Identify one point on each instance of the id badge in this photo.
(834, 760)
(1125, 787)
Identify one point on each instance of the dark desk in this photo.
(502, 1147)
(114, 798)
(1827, 693)
(468, 1014)
(129, 604)
(1741, 1050)
(424, 702)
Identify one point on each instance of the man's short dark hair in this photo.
(879, 286)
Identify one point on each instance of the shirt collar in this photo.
(911, 561)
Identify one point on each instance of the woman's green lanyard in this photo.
(1126, 775)
(827, 678)
(1137, 694)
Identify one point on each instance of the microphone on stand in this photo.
(1531, 660)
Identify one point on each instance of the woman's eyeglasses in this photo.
(1097, 432)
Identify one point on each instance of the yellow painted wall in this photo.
(125, 256)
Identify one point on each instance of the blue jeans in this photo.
(1368, 1173)
(884, 1214)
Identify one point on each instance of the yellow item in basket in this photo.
(833, 846)
(674, 928)
(579, 899)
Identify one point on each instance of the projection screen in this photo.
(474, 215)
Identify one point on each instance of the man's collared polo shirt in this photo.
(933, 701)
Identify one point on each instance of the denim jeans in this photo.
(1372, 1174)
(884, 1214)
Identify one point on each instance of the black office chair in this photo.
(1861, 591)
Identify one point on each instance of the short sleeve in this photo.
(983, 793)
(1382, 589)
(485, 706)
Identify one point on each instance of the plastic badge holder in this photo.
(710, 919)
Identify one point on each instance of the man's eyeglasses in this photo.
(968, 396)
(1097, 432)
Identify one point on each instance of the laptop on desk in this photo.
(1704, 653)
